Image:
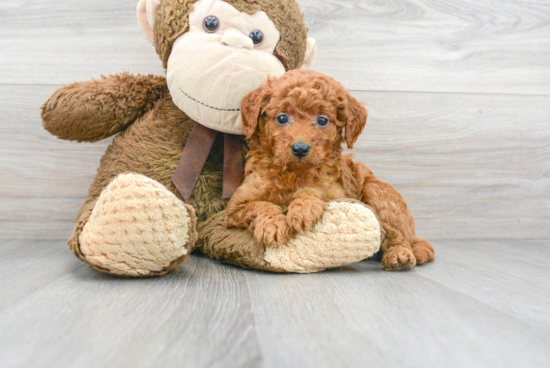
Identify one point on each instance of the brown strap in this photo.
(193, 158)
(232, 165)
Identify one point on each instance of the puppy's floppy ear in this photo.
(355, 115)
(251, 108)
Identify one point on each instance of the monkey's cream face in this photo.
(225, 55)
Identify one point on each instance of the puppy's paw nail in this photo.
(272, 231)
(398, 258)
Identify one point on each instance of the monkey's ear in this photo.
(311, 50)
(146, 13)
(251, 108)
(355, 115)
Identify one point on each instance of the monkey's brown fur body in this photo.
(152, 132)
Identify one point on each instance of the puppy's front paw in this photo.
(303, 214)
(272, 230)
(398, 257)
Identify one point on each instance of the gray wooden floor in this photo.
(482, 304)
(458, 93)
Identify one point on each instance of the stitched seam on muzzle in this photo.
(202, 103)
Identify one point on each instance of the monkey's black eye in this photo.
(322, 121)
(282, 119)
(257, 37)
(211, 24)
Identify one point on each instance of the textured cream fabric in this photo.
(311, 52)
(347, 233)
(146, 12)
(209, 74)
(136, 227)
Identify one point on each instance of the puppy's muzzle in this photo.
(300, 149)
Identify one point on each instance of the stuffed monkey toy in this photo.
(162, 185)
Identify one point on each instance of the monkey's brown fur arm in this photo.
(94, 110)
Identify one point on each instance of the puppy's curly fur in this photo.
(285, 190)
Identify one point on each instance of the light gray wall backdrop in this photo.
(458, 94)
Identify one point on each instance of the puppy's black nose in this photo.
(300, 149)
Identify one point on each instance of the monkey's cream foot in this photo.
(346, 233)
(138, 228)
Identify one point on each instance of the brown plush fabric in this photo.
(152, 147)
(94, 110)
(233, 246)
(172, 21)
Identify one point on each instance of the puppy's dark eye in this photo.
(282, 119)
(211, 24)
(322, 121)
(257, 37)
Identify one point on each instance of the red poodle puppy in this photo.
(295, 126)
